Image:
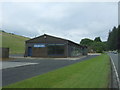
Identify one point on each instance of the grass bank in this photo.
(16, 43)
(93, 73)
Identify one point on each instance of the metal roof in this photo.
(57, 38)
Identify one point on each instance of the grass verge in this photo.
(15, 43)
(93, 73)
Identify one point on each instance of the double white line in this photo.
(118, 80)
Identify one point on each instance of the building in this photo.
(50, 46)
(4, 52)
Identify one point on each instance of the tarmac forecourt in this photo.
(92, 73)
(18, 73)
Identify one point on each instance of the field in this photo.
(93, 73)
(16, 43)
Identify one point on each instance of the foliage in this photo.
(92, 73)
(97, 39)
(98, 46)
(113, 41)
(95, 45)
(86, 42)
(118, 42)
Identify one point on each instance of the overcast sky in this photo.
(73, 21)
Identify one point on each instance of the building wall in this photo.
(48, 46)
(74, 50)
(45, 51)
(85, 51)
(4, 52)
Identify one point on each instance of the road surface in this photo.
(115, 59)
(15, 74)
(115, 70)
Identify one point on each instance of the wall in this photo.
(74, 50)
(43, 51)
(71, 49)
(4, 52)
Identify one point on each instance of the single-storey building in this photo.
(51, 46)
(4, 52)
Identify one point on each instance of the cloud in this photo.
(72, 21)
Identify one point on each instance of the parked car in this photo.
(115, 52)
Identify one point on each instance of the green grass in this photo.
(93, 73)
(16, 43)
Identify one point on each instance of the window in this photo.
(55, 49)
(51, 50)
(59, 49)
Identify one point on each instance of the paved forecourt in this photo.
(24, 68)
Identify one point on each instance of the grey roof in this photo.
(56, 37)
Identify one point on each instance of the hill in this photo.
(16, 43)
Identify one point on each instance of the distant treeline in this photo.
(113, 42)
(95, 45)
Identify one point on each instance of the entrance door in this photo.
(29, 51)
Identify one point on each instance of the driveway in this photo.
(28, 68)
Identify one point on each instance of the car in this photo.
(115, 52)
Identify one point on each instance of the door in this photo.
(29, 51)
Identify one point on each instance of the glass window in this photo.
(51, 50)
(59, 49)
(55, 49)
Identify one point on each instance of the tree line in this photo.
(113, 42)
(96, 45)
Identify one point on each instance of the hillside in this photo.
(16, 43)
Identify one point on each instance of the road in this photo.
(115, 71)
(115, 59)
(15, 74)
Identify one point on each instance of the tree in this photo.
(97, 39)
(86, 42)
(109, 41)
(118, 39)
(112, 41)
(99, 47)
(95, 45)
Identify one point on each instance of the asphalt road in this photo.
(115, 59)
(15, 74)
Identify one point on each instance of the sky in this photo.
(69, 20)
